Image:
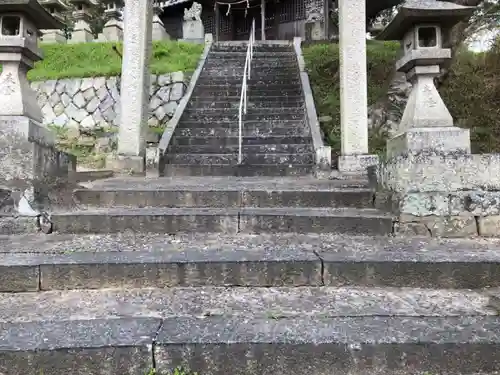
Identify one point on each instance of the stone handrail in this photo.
(323, 154)
(172, 124)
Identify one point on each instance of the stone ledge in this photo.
(106, 346)
(369, 345)
(437, 172)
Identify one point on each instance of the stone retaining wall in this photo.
(92, 103)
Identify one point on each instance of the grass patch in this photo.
(322, 61)
(99, 59)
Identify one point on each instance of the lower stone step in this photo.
(246, 149)
(143, 260)
(234, 141)
(218, 220)
(206, 117)
(247, 158)
(183, 170)
(223, 345)
(246, 124)
(225, 91)
(225, 192)
(259, 131)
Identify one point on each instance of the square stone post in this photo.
(135, 82)
(353, 87)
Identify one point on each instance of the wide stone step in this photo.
(259, 86)
(224, 220)
(219, 345)
(250, 111)
(233, 131)
(248, 124)
(256, 48)
(234, 102)
(232, 159)
(209, 117)
(225, 192)
(256, 64)
(225, 91)
(247, 149)
(254, 82)
(266, 170)
(237, 72)
(257, 55)
(134, 260)
(234, 141)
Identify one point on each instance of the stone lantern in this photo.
(113, 28)
(55, 8)
(27, 153)
(81, 31)
(423, 27)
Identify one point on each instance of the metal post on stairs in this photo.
(244, 89)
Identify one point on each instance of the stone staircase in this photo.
(242, 275)
(276, 141)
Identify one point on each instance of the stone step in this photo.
(249, 331)
(250, 111)
(237, 72)
(225, 192)
(256, 48)
(220, 345)
(254, 82)
(256, 64)
(210, 117)
(224, 220)
(135, 260)
(183, 130)
(284, 86)
(248, 124)
(234, 102)
(232, 159)
(184, 170)
(257, 55)
(223, 92)
(246, 149)
(234, 141)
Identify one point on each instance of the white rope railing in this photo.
(244, 89)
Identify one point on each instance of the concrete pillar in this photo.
(135, 82)
(353, 87)
(263, 19)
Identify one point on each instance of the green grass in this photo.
(322, 61)
(99, 59)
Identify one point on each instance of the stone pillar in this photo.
(263, 19)
(159, 32)
(135, 83)
(353, 87)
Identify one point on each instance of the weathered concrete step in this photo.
(234, 102)
(252, 82)
(183, 170)
(237, 72)
(133, 260)
(256, 64)
(216, 84)
(251, 112)
(247, 124)
(246, 149)
(232, 158)
(222, 345)
(234, 141)
(256, 48)
(248, 302)
(225, 192)
(224, 220)
(223, 92)
(257, 55)
(258, 115)
(185, 130)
